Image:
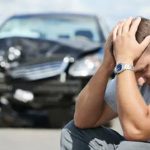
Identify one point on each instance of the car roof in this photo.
(54, 14)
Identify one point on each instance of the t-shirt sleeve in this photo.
(110, 95)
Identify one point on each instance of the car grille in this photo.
(39, 71)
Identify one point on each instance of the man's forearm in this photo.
(91, 99)
(132, 109)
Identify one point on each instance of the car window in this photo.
(47, 27)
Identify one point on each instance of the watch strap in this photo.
(120, 67)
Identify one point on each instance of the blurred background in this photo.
(112, 11)
(48, 52)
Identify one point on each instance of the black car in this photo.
(45, 61)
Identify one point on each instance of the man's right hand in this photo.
(109, 60)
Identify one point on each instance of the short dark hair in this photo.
(143, 29)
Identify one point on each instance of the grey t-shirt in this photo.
(110, 94)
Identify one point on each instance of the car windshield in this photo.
(52, 27)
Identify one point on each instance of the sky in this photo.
(111, 10)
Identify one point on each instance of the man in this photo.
(127, 96)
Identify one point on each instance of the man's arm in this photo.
(90, 104)
(133, 113)
(91, 109)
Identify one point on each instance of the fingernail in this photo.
(138, 18)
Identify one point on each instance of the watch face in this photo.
(119, 67)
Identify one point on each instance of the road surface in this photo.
(34, 139)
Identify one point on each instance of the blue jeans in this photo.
(101, 138)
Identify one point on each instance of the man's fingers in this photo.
(120, 27)
(134, 25)
(115, 32)
(127, 25)
(145, 42)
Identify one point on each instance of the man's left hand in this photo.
(126, 47)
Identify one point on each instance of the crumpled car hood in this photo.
(38, 71)
(44, 58)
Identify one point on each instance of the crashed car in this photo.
(45, 61)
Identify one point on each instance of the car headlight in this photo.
(86, 66)
(23, 95)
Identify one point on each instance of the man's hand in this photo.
(126, 48)
(109, 60)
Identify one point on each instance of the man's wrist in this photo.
(122, 67)
(124, 60)
(108, 68)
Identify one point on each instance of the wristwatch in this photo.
(120, 67)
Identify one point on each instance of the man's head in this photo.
(142, 66)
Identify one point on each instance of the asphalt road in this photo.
(34, 139)
(29, 139)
